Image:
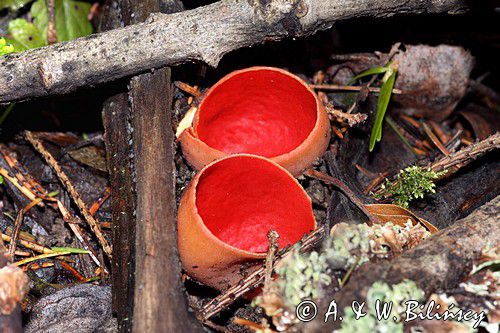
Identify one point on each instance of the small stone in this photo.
(82, 308)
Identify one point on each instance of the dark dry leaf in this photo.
(484, 121)
(91, 156)
(398, 215)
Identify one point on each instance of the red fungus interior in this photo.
(241, 199)
(262, 112)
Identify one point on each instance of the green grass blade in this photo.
(382, 103)
(6, 112)
(71, 250)
(372, 71)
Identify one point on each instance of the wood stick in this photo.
(148, 295)
(201, 34)
(254, 280)
(468, 154)
(94, 226)
(13, 286)
(337, 87)
(457, 160)
(18, 223)
(27, 244)
(352, 118)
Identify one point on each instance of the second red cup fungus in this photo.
(259, 110)
(227, 211)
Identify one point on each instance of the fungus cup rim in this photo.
(193, 129)
(214, 238)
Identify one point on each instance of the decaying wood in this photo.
(13, 286)
(116, 116)
(439, 263)
(203, 34)
(159, 300)
(140, 155)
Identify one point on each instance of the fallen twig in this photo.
(455, 161)
(73, 271)
(212, 31)
(434, 139)
(188, 89)
(351, 118)
(51, 24)
(466, 155)
(272, 236)
(18, 223)
(350, 88)
(27, 244)
(14, 287)
(253, 280)
(94, 225)
(96, 205)
(344, 189)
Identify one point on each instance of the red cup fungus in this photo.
(227, 211)
(263, 111)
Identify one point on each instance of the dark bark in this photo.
(203, 34)
(148, 294)
(159, 301)
(116, 117)
(438, 264)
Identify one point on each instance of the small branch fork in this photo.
(352, 118)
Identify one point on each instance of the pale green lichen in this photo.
(398, 294)
(348, 245)
(413, 182)
(302, 276)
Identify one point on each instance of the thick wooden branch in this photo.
(148, 294)
(437, 264)
(202, 34)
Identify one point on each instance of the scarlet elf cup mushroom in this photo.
(227, 211)
(263, 111)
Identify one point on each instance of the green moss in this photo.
(412, 183)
